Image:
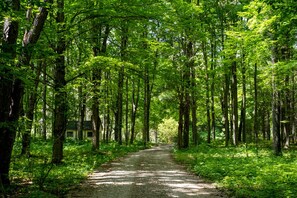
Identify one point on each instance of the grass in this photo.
(36, 176)
(245, 171)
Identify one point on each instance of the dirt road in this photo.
(150, 173)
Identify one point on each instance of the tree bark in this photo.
(44, 108)
(212, 90)
(194, 106)
(60, 109)
(234, 103)
(181, 118)
(146, 105)
(96, 122)
(256, 125)
(127, 114)
(207, 100)
(11, 87)
(26, 139)
(242, 129)
(121, 74)
(135, 102)
(81, 110)
(276, 121)
(276, 107)
(99, 48)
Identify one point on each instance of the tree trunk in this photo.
(119, 103)
(26, 139)
(60, 109)
(194, 107)
(292, 107)
(11, 87)
(207, 100)
(242, 129)
(99, 48)
(44, 102)
(256, 125)
(127, 113)
(135, 101)
(234, 104)
(276, 110)
(107, 110)
(212, 89)
(181, 118)
(276, 121)
(81, 110)
(146, 105)
(187, 91)
(96, 123)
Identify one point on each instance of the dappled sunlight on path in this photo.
(148, 173)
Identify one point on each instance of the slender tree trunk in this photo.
(276, 111)
(276, 122)
(234, 103)
(292, 107)
(286, 114)
(26, 139)
(256, 125)
(127, 113)
(187, 91)
(107, 108)
(135, 101)
(60, 109)
(96, 122)
(267, 126)
(44, 108)
(119, 110)
(243, 107)
(119, 106)
(181, 119)
(207, 101)
(99, 48)
(146, 104)
(194, 106)
(81, 110)
(187, 107)
(212, 89)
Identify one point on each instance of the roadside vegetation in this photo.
(36, 176)
(246, 170)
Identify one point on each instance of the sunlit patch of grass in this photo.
(36, 175)
(246, 170)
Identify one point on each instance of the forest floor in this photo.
(147, 173)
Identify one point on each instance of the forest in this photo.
(210, 76)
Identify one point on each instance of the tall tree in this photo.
(60, 108)
(11, 85)
(10, 91)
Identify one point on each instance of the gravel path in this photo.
(150, 173)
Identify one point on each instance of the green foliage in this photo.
(37, 176)
(167, 130)
(244, 171)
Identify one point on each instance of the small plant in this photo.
(36, 175)
(245, 171)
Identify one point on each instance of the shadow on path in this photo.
(148, 173)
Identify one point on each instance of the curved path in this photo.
(150, 173)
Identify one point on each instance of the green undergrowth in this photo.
(246, 170)
(36, 176)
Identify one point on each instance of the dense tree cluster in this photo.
(220, 68)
